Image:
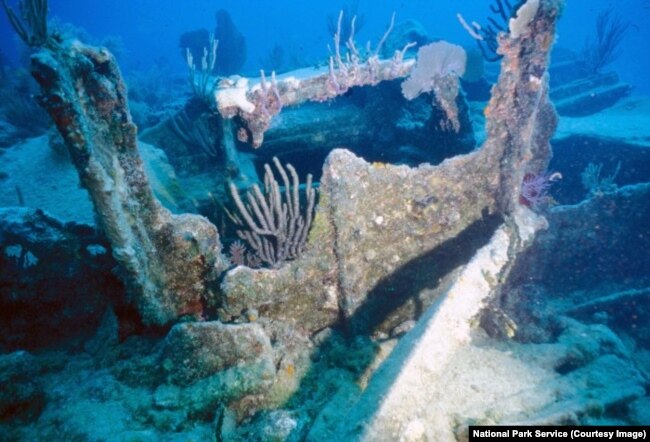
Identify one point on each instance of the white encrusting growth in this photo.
(524, 15)
(234, 96)
(257, 105)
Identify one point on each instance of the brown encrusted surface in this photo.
(194, 351)
(303, 293)
(371, 220)
(166, 261)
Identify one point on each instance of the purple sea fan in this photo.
(534, 188)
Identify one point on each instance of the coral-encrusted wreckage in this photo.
(391, 250)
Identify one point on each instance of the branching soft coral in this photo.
(604, 49)
(32, 29)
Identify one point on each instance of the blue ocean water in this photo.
(81, 360)
(150, 29)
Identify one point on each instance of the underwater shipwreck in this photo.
(368, 298)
